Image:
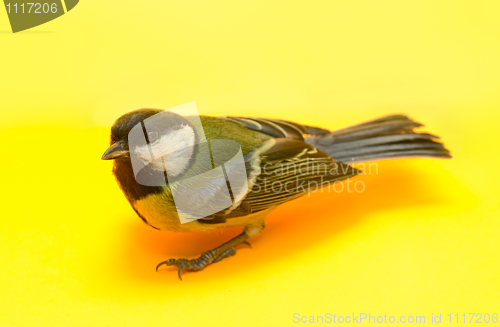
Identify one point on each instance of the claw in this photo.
(179, 271)
(246, 243)
(160, 264)
(174, 262)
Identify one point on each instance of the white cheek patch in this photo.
(175, 147)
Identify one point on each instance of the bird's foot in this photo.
(199, 263)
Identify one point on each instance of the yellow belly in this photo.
(160, 212)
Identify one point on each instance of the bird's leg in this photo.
(225, 250)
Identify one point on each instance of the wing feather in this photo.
(288, 170)
(278, 127)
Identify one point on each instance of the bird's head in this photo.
(149, 135)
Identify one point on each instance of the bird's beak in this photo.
(115, 150)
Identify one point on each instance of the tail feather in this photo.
(383, 138)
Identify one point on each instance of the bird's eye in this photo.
(152, 136)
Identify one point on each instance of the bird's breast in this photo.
(159, 211)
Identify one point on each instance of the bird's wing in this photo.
(278, 128)
(288, 169)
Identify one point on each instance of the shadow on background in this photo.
(292, 227)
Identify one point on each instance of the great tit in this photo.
(272, 150)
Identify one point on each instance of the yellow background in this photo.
(422, 239)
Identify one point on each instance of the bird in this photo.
(271, 150)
